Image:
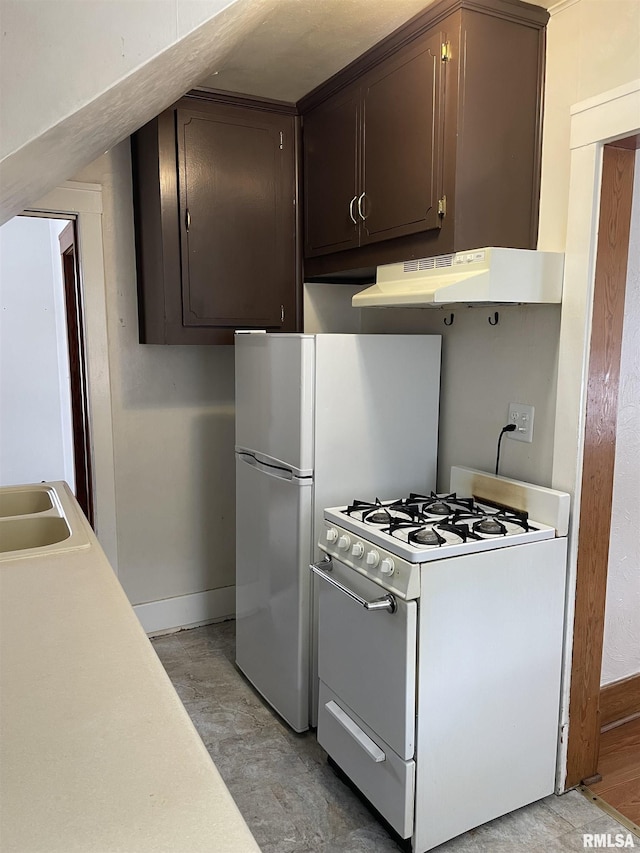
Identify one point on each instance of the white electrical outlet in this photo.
(521, 415)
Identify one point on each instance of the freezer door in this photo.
(273, 547)
(274, 397)
(376, 417)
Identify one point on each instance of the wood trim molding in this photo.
(186, 611)
(619, 701)
(599, 458)
(84, 200)
(234, 99)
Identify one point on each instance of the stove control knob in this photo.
(357, 550)
(387, 566)
(343, 542)
(332, 534)
(373, 558)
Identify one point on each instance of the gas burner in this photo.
(437, 508)
(426, 536)
(380, 512)
(377, 516)
(407, 531)
(441, 505)
(387, 515)
(490, 526)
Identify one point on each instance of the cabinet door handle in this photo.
(360, 200)
(187, 220)
(351, 203)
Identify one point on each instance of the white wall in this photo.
(592, 46)
(484, 368)
(35, 405)
(327, 308)
(621, 652)
(173, 433)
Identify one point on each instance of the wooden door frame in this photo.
(598, 462)
(586, 350)
(77, 369)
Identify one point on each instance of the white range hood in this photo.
(480, 276)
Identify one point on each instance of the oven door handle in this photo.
(386, 602)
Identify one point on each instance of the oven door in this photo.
(367, 669)
(368, 657)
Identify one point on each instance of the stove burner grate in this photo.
(461, 530)
(443, 505)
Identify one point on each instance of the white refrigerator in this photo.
(320, 420)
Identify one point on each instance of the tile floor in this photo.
(292, 800)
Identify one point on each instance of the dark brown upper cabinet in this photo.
(373, 162)
(215, 204)
(332, 174)
(429, 143)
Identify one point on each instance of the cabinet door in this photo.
(330, 133)
(403, 141)
(237, 192)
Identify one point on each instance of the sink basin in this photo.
(40, 519)
(21, 534)
(25, 502)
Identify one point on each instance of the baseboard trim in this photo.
(187, 611)
(619, 700)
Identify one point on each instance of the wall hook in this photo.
(496, 319)
(449, 322)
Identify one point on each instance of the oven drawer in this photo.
(384, 778)
(368, 658)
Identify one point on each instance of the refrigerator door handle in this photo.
(276, 471)
(248, 458)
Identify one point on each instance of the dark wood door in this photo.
(236, 200)
(402, 144)
(331, 174)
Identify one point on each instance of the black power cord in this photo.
(507, 428)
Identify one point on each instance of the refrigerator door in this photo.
(376, 417)
(274, 398)
(273, 544)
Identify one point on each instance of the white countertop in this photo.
(97, 753)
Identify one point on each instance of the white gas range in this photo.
(439, 651)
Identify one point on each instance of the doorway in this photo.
(43, 394)
(35, 396)
(590, 706)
